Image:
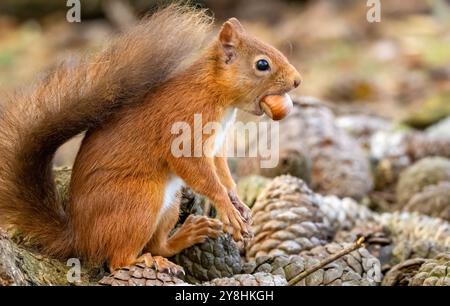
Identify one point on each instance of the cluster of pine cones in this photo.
(339, 179)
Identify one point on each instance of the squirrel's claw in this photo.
(241, 207)
(234, 224)
(160, 264)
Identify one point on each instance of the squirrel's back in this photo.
(73, 99)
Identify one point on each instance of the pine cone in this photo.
(395, 151)
(439, 130)
(356, 268)
(359, 268)
(420, 145)
(345, 214)
(389, 144)
(339, 165)
(215, 258)
(287, 219)
(378, 241)
(396, 237)
(362, 127)
(194, 203)
(290, 161)
(427, 171)
(388, 151)
(257, 279)
(286, 266)
(250, 187)
(140, 275)
(401, 274)
(420, 272)
(415, 236)
(433, 201)
(433, 272)
(387, 172)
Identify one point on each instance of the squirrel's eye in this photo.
(262, 65)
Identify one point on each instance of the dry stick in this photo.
(356, 245)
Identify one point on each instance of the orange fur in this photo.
(121, 171)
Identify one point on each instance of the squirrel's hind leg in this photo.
(114, 222)
(194, 230)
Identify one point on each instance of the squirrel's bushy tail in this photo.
(73, 99)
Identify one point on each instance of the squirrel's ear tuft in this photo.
(237, 25)
(229, 38)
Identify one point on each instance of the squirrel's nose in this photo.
(297, 82)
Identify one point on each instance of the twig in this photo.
(356, 245)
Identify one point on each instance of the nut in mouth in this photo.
(276, 106)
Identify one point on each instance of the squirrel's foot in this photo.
(196, 229)
(160, 264)
(201, 227)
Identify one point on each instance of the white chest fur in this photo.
(226, 123)
(173, 185)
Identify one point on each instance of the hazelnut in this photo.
(276, 107)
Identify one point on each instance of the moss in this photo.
(425, 172)
(62, 181)
(434, 109)
(250, 187)
(22, 266)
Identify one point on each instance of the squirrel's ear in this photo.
(237, 25)
(229, 38)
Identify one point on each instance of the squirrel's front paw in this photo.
(234, 223)
(241, 207)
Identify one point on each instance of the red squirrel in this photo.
(124, 182)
